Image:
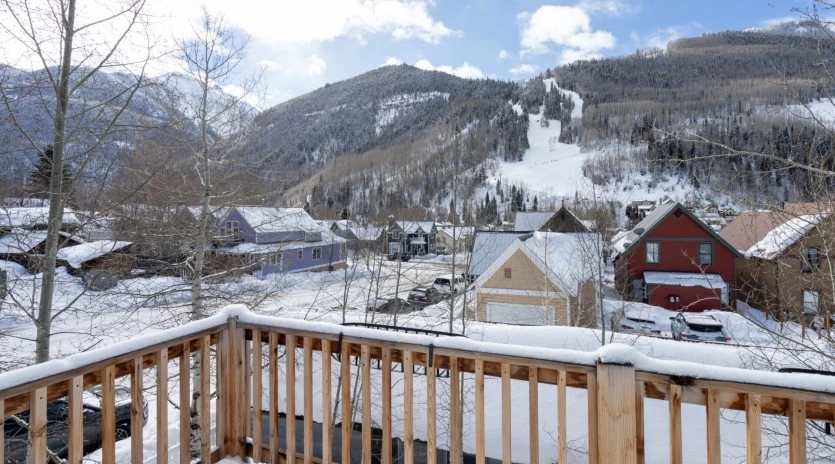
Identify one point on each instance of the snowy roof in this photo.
(328, 238)
(411, 227)
(77, 255)
(487, 246)
(20, 241)
(530, 221)
(367, 233)
(684, 279)
(264, 219)
(460, 232)
(345, 224)
(750, 227)
(783, 236)
(568, 257)
(31, 217)
(195, 211)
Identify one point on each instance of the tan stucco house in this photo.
(542, 278)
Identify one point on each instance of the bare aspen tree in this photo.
(70, 51)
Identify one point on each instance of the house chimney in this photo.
(391, 220)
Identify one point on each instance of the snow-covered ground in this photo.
(317, 296)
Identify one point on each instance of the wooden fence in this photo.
(240, 364)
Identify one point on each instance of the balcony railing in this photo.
(243, 355)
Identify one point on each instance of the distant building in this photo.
(461, 241)
(563, 220)
(270, 240)
(414, 237)
(673, 260)
(488, 245)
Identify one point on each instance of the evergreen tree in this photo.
(42, 172)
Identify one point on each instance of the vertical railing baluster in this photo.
(753, 429)
(640, 390)
(408, 408)
(366, 403)
(591, 391)
(137, 412)
(562, 414)
(308, 400)
(797, 431)
(479, 411)
(2, 431)
(431, 419)
(185, 403)
(290, 395)
(205, 398)
(714, 449)
(347, 422)
(327, 418)
(247, 384)
(533, 414)
(37, 425)
(257, 395)
(220, 386)
(75, 423)
(386, 374)
(455, 410)
(272, 360)
(507, 451)
(162, 405)
(674, 403)
(616, 413)
(108, 414)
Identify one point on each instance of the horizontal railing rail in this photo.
(249, 366)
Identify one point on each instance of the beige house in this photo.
(542, 278)
(461, 242)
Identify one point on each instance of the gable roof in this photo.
(566, 258)
(20, 241)
(266, 219)
(778, 239)
(32, 217)
(749, 228)
(531, 220)
(487, 246)
(623, 243)
(77, 255)
(411, 227)
(461, 232)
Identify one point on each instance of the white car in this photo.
(443, 284)
(698, 327)
(638, 322)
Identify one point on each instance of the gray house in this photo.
(415, 237)
(278, 240)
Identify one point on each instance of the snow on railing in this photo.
(226, 352)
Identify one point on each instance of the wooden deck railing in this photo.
(242, 362)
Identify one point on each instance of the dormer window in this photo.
(232, 228)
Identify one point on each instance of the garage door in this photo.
(520, 314)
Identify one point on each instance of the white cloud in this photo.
(609, 7)
(269, 65)
(504, 54)
(315, 66)
(523, 69)
(393, 61)
(661, 37)
(566, 27)
(466, 70)
(308, 21)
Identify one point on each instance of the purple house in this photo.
(276, 240)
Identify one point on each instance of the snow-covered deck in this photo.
(268, 354)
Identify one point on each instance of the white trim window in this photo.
(810, 259)
(706, 254)
(317, 253)
(653, 252)
(274, 259)
(233, 228)
(811, 301)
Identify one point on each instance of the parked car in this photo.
(16, 430)
(638, 322)
(389, 305)
(424, 296)
(399, 256)
(443, 284)
(698, 327)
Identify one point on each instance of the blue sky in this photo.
(507, 39)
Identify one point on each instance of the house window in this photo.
(811, 301)
(233, 228)
(301, 255)
(638, 289)
(317, 253)
(508, 273)
(274, 259)
(810, 259)
(653, 252)
(705, 254)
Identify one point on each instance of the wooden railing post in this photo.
(231, 357)
(616, 416)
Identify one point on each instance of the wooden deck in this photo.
(244, 355)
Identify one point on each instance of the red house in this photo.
(673, 260)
